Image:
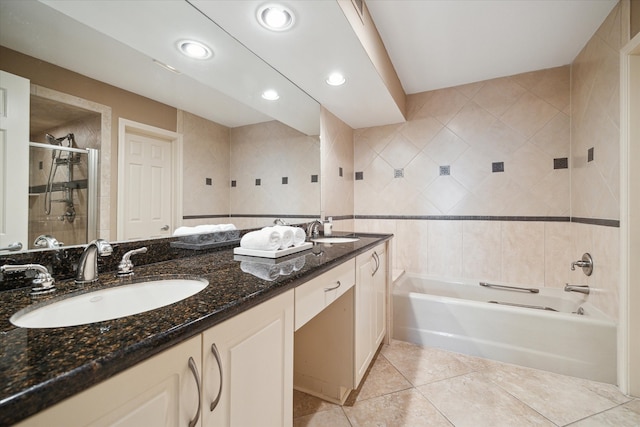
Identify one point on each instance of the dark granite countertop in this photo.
(40, 367)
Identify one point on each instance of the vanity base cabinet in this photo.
(254, 353)
(370, 307)
(161, 391)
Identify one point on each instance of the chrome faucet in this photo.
(88, 265)
(583, 289)
(125, 268)
(313, 228)
(280, 221)
(43, 282)
(46, 241)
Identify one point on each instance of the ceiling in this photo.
(432, 43)
(435, 44)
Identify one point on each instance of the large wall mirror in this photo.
(94, 65)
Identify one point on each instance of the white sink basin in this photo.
(335, 240)
(108, 304)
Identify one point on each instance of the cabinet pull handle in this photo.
(216, 355)
(333, 288)
(196, 375)
(377, 260)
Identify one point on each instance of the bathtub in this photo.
(457, 316)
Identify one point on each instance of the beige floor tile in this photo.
(473, 400)
(305, 404)
(424, 365)
(334, 417)
(382, 379)
(560, 398)
(403, 408)
(616, 417)
(634, 405)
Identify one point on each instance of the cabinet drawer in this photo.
(312, 297)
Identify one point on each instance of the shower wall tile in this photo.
(482, 250)
(444, 248)
(595, 119)
(557, 254)
(523, 252)
(519, 120)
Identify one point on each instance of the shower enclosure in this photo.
(63, 188)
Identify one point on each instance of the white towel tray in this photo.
(273, 254)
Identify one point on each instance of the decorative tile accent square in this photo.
(561, 163)
(497, 167)
(359, 176)
(314, 178)
(590, 154)
(258, 181)
(340, 171)
(445, 170)
(285, 179)
(398, 173)
(234, 183)
(208, 181)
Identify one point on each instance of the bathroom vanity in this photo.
(224, 356)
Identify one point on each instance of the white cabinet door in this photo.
(161, 391)
(253, 358)
(370, 308)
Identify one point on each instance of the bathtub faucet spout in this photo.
(583, 289)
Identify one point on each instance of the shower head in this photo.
(52, 140)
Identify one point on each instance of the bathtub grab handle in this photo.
(511, 288)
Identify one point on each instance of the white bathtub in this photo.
(457, 316)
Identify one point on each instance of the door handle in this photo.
(165, 228)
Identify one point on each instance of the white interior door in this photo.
(149, 181)
(148, 189)
(14, 160)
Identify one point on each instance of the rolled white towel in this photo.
(227, 227)
(286, 235)
(260, 270)
(207, 228)
(183, 231)
(262, 240)
(299, 236)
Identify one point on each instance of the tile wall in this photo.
(206, 156)
(261, 169)
(595, 179)
(337, 174)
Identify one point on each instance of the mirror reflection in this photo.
(238, 164)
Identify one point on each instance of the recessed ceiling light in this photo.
(335, 79)
(270, 95)
(275, 17)
(194, 49)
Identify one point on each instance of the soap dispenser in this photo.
(328, 227)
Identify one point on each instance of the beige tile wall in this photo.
(520, 120)
(595, 120)
(206, 155)
(336, 152)
(270, 151)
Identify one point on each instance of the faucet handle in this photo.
(586, 263)
(43, 282)
(125, 268)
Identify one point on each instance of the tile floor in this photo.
(413, 386)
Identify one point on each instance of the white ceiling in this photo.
(442, 43)
(432, 44)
